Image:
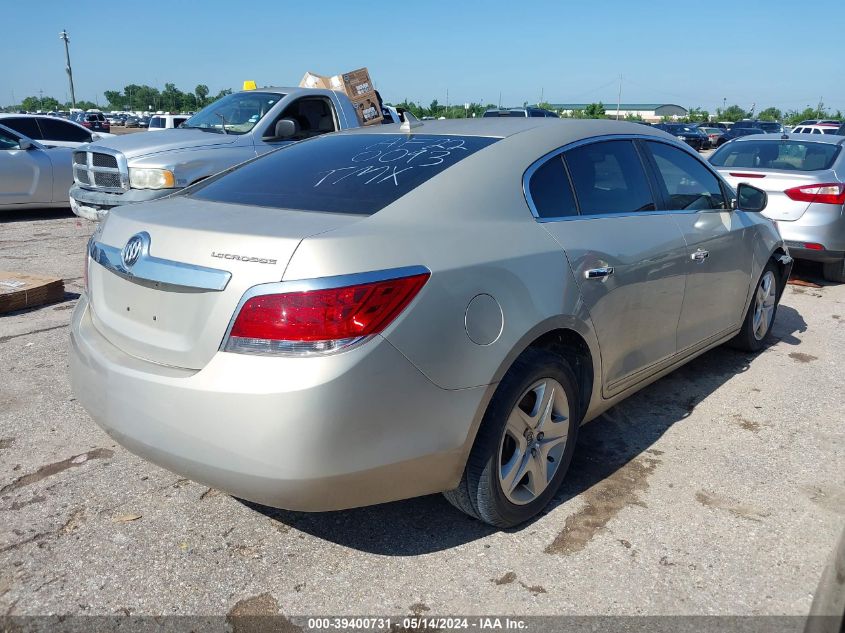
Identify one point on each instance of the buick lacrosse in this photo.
(392, 312)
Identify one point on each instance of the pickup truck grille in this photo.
(101, 171)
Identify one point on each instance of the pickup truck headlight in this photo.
(144, 178)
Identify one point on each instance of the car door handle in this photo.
(599, 273)
(699, 256)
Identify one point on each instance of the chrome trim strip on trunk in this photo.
(162, 274)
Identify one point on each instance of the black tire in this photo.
(746, 339)
(834, 271)
(480, 493)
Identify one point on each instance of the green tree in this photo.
(794, 116)
(771, 114)
(201, 91)
(45, 104)
(731, 113)
(595, 111)
(696, 115)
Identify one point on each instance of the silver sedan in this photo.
(804, 177)
(392, 312)
(32, 175)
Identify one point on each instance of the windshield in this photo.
(787, 155)
(234, 114)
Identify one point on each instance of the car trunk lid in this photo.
(775, 182)
(173, 306)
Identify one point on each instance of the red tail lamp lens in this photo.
(350, 312)
(827, 193)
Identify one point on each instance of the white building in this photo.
(650, 112)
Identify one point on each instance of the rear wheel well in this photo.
(782, 267)
(569, 345)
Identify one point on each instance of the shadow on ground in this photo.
(613, 459)
(32, 215)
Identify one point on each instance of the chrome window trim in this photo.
(526, 178)
(321, 283)
(155, 272)
(122, 168)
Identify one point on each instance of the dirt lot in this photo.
(718, 490)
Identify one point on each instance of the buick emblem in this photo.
(134, 248)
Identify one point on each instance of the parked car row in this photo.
(311, 269)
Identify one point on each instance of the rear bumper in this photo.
(327, 433)
(95, 205)
(825, 226)
(797, 251)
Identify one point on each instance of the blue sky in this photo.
(745, 52)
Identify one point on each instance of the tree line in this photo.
(133, 98)
(600, 111)
(136, 97)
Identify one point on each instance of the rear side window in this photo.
(23, 125)
(355, 173)
(787, 155)
(56, 130)
(157, 121)
(550, 191)
(686, 183)
(609, 178)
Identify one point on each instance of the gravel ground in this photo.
(720, 489)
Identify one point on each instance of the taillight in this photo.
(321, 320)
(826, 193)
(813, 246)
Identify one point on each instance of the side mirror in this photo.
(25, 143)
(285, 128)
(751, 198)
(95, 137)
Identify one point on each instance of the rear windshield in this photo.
(775, 154)
(517, 113)
(357, 173)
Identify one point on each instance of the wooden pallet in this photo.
(19, 291)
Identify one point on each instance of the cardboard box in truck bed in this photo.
(357, 86)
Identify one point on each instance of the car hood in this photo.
(141, 144)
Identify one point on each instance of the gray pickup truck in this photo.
(240, 126)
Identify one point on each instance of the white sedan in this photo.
(32, 175)
(51, 131)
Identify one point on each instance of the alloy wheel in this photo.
(533, 442)
(764, 305)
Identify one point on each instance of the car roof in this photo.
(534, 133)
(6, 115)
(829, 139)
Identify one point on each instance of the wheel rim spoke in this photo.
(514, 471)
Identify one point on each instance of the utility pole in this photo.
(41, 100)
(64, 37)
(619, 97)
